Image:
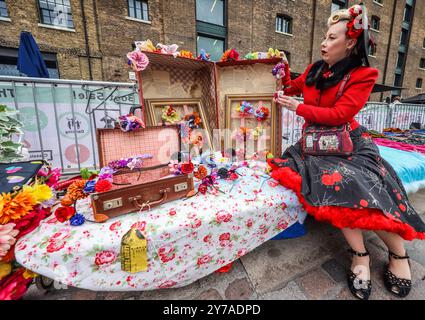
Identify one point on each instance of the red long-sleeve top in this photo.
(323, 107)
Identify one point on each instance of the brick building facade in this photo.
(91, 41)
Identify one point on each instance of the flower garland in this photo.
(262, 113)
(169, 114)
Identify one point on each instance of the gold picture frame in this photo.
(184, 107)
(234, 121)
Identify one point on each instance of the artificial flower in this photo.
(106, 173)
(139, 60)
(262, 113)
(279, 70)
(75, 190)
(41, 192)
(352, 31)
(174, 167)
(14, 286)
(89, 186)
(31, 221)
(200, 172)
(87, 174)
(187, 168)
(193, 120)
(197, 139)
(5, 270)
(245, 109)
(169, 114)
(257, 132)
(103, 186)
(13, 208)
(129, 122)
(77, 219)
(28, 274)
(63, 214)
(49, 176)
(186, 54)
(145, 46)
(66, 201)
(202, 188)
(230, 55)
(204, 56)
(171, 49)
(273, 53)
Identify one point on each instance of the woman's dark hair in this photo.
(358, 57)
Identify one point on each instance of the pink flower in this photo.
(249, 223)
(196, 223)
(105, 257)
(224, 236)
(241, 252)
(204, 259)
(223, 216)
(138, 60)
(167, 284)
(207, 238)
(140, 225)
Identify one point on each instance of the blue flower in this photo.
(89, 186)
(77, 220)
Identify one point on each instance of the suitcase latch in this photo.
(180, 187)
(112, 204)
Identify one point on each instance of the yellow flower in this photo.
(41, 192)
(28, 274)
(5, 269)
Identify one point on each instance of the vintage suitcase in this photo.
(150, 186)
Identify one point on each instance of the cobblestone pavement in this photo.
(310, 267)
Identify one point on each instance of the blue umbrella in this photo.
(30, 60)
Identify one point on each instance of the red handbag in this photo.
(321, 140)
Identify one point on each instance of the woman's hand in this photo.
(288, 102)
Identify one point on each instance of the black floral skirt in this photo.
(361, 191)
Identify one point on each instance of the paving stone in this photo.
(316, 284)
(210, 294)
(335, 270)
(272, 265)
(290, 292)
(418, 201)
(239, 289)
(83, 295)
(184, 293)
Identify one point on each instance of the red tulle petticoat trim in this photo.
(343, 217)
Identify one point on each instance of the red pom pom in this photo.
(202, 189)
(63, 214)
(103, 185)
(187, 168)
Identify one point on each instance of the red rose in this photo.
(202, 189)
(105, 257)
(64, 213)
(207, 238)
(224, 236)
(204, 259)
(55, 246)
(196, 223)
(249, 223)
(282, 224)
(187, 168)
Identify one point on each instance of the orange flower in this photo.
(75, 190)
(13, 208)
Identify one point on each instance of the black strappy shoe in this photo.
(361, 289)
(399, 287)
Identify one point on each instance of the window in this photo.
(284, 24)
(423, 45)
(372, 50)
(3, 9)
(422, 63)
(404, 37)
(397, 80)
(288, 55)
(338, 5)
(400, 60)
(211, 27)
(9, 62)
(419, 83)
(138, 9)
(56, 13)
(375, 22)
(210, 11)
(213, 46)
(407, 13)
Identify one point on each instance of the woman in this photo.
(361, 191)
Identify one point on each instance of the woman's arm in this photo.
(355, 96)
(294, 87)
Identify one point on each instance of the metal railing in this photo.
(61, 117)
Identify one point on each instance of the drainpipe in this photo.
(312, 30)
(389, 47)
(86, 39)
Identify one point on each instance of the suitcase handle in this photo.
(136, 203)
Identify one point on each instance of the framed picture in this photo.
(251, 120)
(179, 111)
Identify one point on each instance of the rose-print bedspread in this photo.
(187, 239)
